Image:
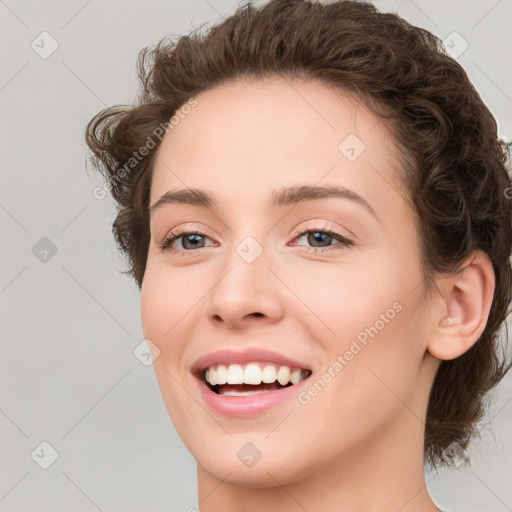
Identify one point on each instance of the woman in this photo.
(313, 202)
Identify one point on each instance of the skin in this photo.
(358, 444)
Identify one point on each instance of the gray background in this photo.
(70, 321)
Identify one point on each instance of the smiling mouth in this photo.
(252, 378)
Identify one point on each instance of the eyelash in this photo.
(173, 236)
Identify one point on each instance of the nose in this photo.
(245, 292)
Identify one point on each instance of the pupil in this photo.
(186, 240)
(315, 235)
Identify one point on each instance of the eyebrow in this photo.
(282, 197)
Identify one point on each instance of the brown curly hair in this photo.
(454, 164)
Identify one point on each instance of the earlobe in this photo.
(467, 299)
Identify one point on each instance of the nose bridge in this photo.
(245, 285)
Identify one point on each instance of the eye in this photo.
(322, 236)
(190, 240)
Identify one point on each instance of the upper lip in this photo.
(228, 357)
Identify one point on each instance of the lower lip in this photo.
(249, 405)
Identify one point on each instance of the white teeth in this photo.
(283, 375)
(269, 374)
(222, 374)
(254, 374)
(295, 376)
(242, 393)
(235, 374)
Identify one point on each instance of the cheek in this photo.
(377, 347)
(163, 316)
(373, 384)
(163, 303)
(348, 300)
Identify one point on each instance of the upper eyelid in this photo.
(298, 232)
(171, 237)
(344, 239)
(326, 225)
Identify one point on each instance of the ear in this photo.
(466, 302)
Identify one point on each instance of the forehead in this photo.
(251, 136)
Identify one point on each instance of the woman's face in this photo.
(348, 308)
